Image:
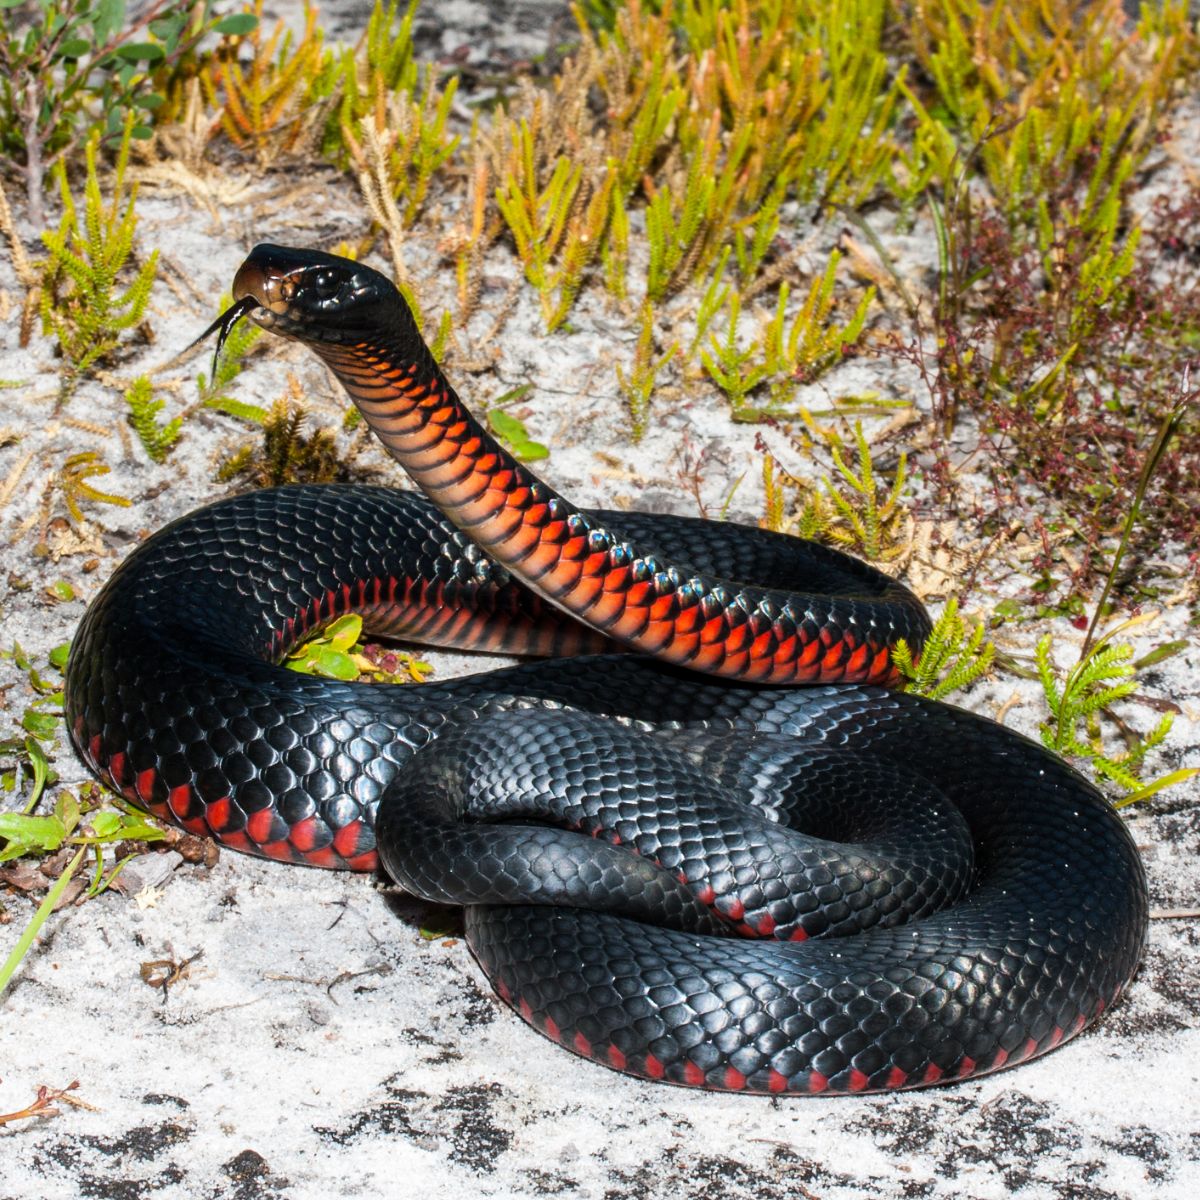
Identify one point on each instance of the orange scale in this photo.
(144, 784)
(856, 664)
(237, 840)
(347, 839)
(368, 860)
(326, 857)
(217, 813)
(281, 851)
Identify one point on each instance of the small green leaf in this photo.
(58, 656)
(60, 589)
(1180, 776)
(26, 835)
(1007, 610)
(236, 24)
(40, 724)
(324, 660)
(67, 811)
(147, 52)
(72, 47)
(344, 632)
(1167, 650)
(106, 825)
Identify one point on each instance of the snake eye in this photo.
(325, 285)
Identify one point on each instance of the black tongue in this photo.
(225, 323)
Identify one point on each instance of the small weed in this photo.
(1077, 701)
(72, 480)
(80, 301)
(852, 508)
(157, 439)
(950, 660)
(511, 431)
(638, 385)
(285, 453)
(337, 652)
(87, 823)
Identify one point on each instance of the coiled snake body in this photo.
(613, 821)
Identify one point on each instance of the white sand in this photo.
(261, 1075)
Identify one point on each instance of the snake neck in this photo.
(568, 558)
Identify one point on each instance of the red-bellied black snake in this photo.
(959, 899)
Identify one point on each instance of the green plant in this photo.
(66, 64)
(72, 480)
(74, 822)
(558, 226)
(273, 103)
(81, 300)
(156, 439)
(240, 338)
(638, 385)
(284, 453)
(788, 353)
(337, 652)
(511, 431)
(868, 522)
(1103, 675)
(852, 508)
(950, 659)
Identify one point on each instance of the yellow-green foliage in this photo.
(272, 102)
(1103, 675)
(143, 416)
(402, 144)
(788, 352)
(1036, 87)
(73, 483)
(951, 658)
(382, 64)
(852, 508)
(285, 453)
(637, 384)
(82, 302)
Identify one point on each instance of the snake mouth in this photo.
(264, 291)
(225, 323)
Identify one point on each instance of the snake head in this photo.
(316, 297)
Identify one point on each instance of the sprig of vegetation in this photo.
(787, 353)
(338, 652)
(81, 303)
(866, 523)
(1103, 675)
(86, 821)
(853, 508)
(274, 101)
(73, 483)
(951, 658)
(510, 431)
(638, 385)
(67, 64)
(157, 439)
(284, 453)
(74, 822)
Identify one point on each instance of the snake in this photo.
(698, 833)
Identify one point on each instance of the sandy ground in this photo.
(320, 1046)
